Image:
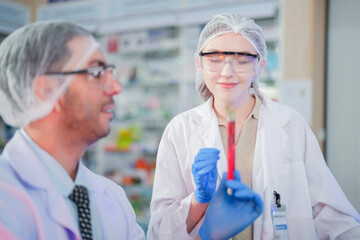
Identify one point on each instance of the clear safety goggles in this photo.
(240, 62)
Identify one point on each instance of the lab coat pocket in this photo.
(294, 191)
(294, 168)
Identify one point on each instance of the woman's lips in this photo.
(228, 85)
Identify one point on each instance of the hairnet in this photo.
(226, 23)
(31, 52)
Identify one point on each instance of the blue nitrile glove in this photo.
(204, 170)
(227, 215)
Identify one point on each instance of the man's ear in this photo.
(45, 88)
(57, 105)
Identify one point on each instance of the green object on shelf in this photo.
(126, 137)
(167, 114)
(2, 144)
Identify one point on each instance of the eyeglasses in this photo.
(95, 72)
(98, 73)
(241, 62)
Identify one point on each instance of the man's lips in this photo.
(109, 108)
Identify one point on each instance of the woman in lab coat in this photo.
(276, 151)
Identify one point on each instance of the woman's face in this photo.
(228, 77)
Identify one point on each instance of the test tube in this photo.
(231, 145)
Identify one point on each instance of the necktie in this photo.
(80, 197)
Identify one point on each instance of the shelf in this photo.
(153, 85)
(165, 47)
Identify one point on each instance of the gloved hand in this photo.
(204, 170)
(227, 215)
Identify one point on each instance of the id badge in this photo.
(278, 214)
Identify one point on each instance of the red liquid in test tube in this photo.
(231, 147)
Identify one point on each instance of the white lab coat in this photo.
(287, 159)
(32, 208)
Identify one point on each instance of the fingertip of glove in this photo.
(237, 175)
(209, 150)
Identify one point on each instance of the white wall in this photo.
(343, 96)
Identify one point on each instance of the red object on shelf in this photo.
(112, 45)
(231, 150)
(141, 163)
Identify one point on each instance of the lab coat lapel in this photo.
(107, 212)
(268, 162)
(272, 155)
(111, 227)
(61, 214)
(26, 159)
(210, 133)
(206, 120)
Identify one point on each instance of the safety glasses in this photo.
(241, 62)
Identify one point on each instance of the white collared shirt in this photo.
(65, 184)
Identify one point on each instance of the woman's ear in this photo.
(264, 63)
(197, 61)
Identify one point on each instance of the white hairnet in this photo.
(29, 53)
(226, 23)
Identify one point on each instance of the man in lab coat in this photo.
(56, 86)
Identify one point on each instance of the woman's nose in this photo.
(227, 69)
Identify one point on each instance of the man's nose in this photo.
(113, 88)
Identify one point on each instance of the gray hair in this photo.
(226, 23)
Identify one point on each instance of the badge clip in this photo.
(277, 199)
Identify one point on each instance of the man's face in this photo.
(87, 106)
